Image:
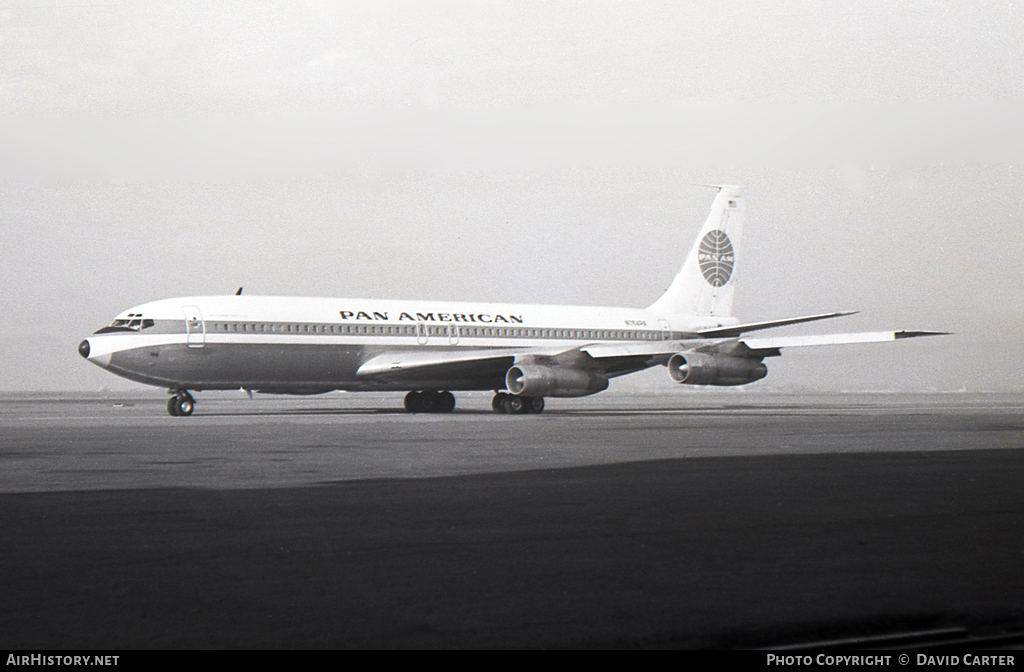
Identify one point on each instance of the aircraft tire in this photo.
(497, 401)
(412, 402)
(516, 405)
(446, 402)
(535, 405)
(172, 406)
(429, 402)
(185, 405)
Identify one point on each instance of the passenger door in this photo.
(195, 328)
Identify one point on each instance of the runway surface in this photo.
(720, 520)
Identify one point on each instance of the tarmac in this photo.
(617, 521)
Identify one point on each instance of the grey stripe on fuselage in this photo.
(278, 367)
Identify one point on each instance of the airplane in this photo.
(430, 349)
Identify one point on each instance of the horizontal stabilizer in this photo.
(736, 330)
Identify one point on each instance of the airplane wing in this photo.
(398, 366)
(769, 347)
(611, 359)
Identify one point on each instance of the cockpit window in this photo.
(133, 321)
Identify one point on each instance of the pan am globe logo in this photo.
(716, 258)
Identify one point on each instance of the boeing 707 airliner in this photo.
(429, 349)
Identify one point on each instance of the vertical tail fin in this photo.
(704, 285)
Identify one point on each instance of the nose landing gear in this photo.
(181, 404)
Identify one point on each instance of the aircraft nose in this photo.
(97, 355)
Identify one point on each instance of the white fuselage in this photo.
(306, 345)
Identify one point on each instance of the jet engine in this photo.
(537, 380)
(697, 368)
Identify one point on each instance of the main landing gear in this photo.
(429, 402)
(513, 404)
(181, 403)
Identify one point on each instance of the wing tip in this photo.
(906, 333)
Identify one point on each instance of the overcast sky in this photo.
(536, 152)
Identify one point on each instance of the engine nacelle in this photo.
(697, 368)
(537, 380)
